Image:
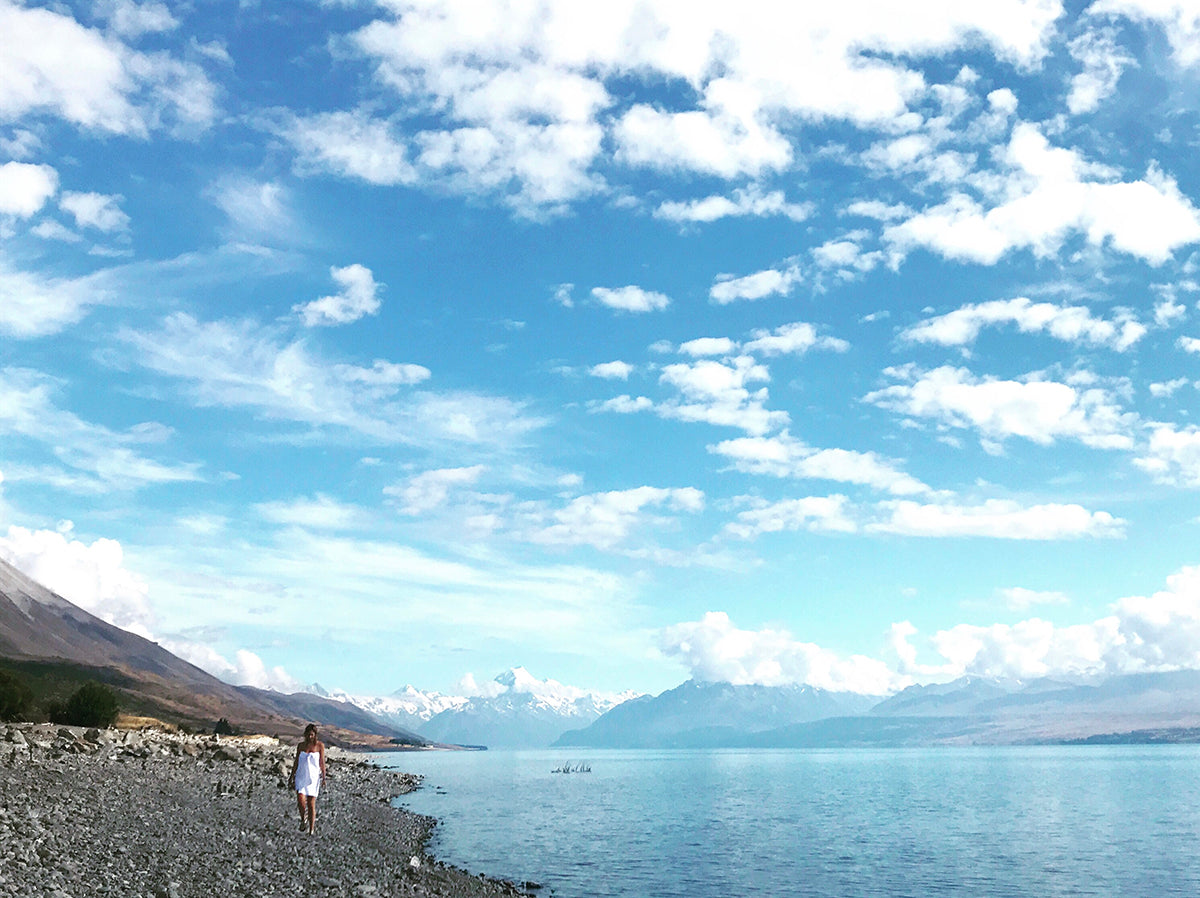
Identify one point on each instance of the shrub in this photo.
(15, 697)
(92, 705)
(225, 728)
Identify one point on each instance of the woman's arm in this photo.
(322, 750)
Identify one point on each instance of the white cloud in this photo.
(1103, 62)
(604, 520)
(769, 282)
(429, 489)
(1031, 408)
(132, 20)
(630, 299)
(522, 102)
(819, 514)
(625, 405)
(24, 188)
(1167, 312)
(92, 576)
(1172, 454)
(320, 512)
(95, 210)
(708, 346)
(242, 364)
(1047, 198)
(351, 144)
(749, 202)
(358, 297)
(101, 459)
(1018, 598)
(716, 392)
(1167, 388)
(1177, 18)
(248, 669)
(257, 210)
(1072, 324)
(784, 456)
(1189, 344)
(996, 519)
(796, 338)
(611, 370)
(107, 86)
(1160, 632)
(714, 650)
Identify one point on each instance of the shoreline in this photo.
(168, 815)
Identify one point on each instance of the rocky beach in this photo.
(168, 815)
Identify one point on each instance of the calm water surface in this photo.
(1112, 821)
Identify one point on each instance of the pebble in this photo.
(107, 813)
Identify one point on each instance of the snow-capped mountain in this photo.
(515, 710)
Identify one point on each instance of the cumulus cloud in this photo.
(744, 203)
(1142, 634)
(525, 104)
(95, 210)
(1038, 410)
(783, 455)
(1103, 62)
(430, 489)
(611, 370)
(996, 519)
(24, 188)
(358, 297)
(1172, 454)
(768, 282)
(107, 87)
(630, 299)
(818, 514)
(604, 520)
(92, 576)
(796, 338)
(352, 144)
(1176, 18)
(1049, 195)
(247, 668)
(718, 392)
(1072, 324)
(714, 650)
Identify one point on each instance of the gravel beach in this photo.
(167, 815)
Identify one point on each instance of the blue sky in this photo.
(374, 343)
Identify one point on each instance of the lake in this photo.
(1012, 821)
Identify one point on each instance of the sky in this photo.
(407, 341)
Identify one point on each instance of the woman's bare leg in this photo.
(302, 805)
(312, 813)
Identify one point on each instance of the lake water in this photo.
(1037, 822)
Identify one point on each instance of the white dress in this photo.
(308, 773)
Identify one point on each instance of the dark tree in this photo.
(15, 697)
(225, 728)
(92, 705)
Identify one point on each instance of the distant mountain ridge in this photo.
(971, 710)
(699, 714)
(516, 710)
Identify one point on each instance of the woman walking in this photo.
(308, 775)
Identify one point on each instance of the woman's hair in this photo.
(311, 728)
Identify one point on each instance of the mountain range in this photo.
(515, 710)
(1149, 707)
(55, 645)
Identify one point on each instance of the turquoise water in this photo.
(1045, 821)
